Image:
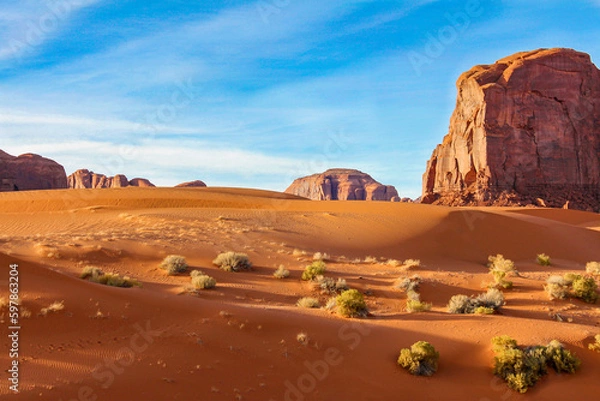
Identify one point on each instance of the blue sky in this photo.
(255, 93)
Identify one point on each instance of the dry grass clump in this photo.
(573, 286)
(316, 268)
(543, 259)
(593, 268)
(485, 303)
(595, 346)
(232, 261)
(416, 305)
(201, 281)
(421, 359)
(281, 272)
(308, 302)
(54, 307)
(409, 283)
(351, 303)
(393, 263)
(411, 264)
(174, 264)
(522, 367)
(501, 268)
(328, 285)
(302, 338)
(371, 260)
(321, 256)
(96, 275)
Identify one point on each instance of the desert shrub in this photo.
(484, 310)
(409, 283)
(557, 287)
(351, 303)
(232, 261)
(302, 338)
(331, 304)
(316, 268)
(96, 275)
(543, 259)
(595, 346)
(201, 281)
(500, 268)
(593, 268)
(421, 359)
(308, 302)
(416, 305)
(371, 260)
(411, 263)
(561, 359)
(491, 300)
(522, 368)
(328, 285)
(393, 263)
(174, 264)
(572, 285)
(281, 272)
(584, 288)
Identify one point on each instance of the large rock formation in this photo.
(29, 172)
(191, 184)
(342, 184)
(524, 128)
(88, 179)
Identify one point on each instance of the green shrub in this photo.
(500, 268)
(560, 359)
(572, 285)
(174, 264)
(201, 281)
(415, 305)
(492, 300)
(595, 346)
(308, 302)
(281, 272)
(522, 368)
(351, 303)
(584, 288)
(543, 259)
(484, 310)
(421, 359)
(232, 261)
(593, 268)
(316, 268)
(96, 275)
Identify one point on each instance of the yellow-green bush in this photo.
(232, 261)
(316, 268)
(421, 359)
(351, 303)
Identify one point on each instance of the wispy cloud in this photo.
(26, 25)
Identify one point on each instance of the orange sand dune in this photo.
(238, 341)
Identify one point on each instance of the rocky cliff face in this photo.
(342, 184)
(526, 127)
(89, 179)
(30, 172)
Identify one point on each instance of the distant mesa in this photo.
(525, 129)
(342, 184)
(88, 179)
(30, 172)
(191, 184)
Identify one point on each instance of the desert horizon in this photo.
(299, 201)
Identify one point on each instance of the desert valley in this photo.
(104, 314)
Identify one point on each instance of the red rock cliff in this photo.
(89, 179)
(30, 172)
(525, 127)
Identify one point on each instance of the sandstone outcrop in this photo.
(342, 184)
(88, 179)
(191, 184)
(30, 172)
(524, 128)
